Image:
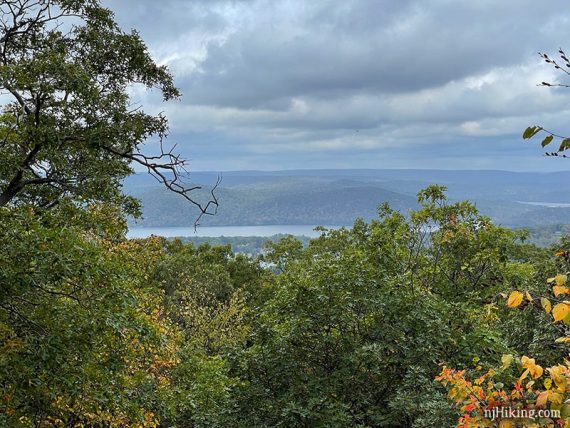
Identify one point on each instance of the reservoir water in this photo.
(229, 231)
(547, 204)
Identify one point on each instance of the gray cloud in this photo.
(289, 84)
(362, 47)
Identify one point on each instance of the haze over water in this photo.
(229, 231)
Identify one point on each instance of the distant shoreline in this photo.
(227, 231)
(546, 204)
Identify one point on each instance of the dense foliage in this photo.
(250, 245)
(69, 124)
(522, 394)
(349, 330)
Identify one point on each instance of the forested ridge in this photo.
(338, 197)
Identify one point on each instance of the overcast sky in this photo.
(289, 84)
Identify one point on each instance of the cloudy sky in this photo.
(290, 84)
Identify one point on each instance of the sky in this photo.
(297, 84)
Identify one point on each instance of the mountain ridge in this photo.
(340, 196)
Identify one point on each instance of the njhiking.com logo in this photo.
(510, 413)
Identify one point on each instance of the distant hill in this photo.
(340, 196)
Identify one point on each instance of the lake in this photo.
(547, 204)
(229, 231)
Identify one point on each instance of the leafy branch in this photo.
(562, 65)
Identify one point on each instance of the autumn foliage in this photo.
(536, 388)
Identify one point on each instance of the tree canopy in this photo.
(70, 128)
(362, 327)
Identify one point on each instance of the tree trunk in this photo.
(14, 187)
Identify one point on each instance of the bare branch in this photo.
(160, 166)
(14, 311)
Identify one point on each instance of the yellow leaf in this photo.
(558, 375)
(560, 279)
(507, 361)
(528, 296)
(560, 311)
(546, 305)
(505, 423)
(548, 383)
(515, 299)
(562, 340)
(556, 398)
(536, 371)
(524, 375)
(530, 364)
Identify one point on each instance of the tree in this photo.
(355, 324)
(97, 331)
(71, 129)
(84, 339)
(538, 397)
(82, 342)
(562, 65)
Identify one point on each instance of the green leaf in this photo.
(528, 132)
(531, 131)
(565, 411)
(547, 141)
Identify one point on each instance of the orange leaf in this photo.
(515, 299)
(542, 399)
(558, 290)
